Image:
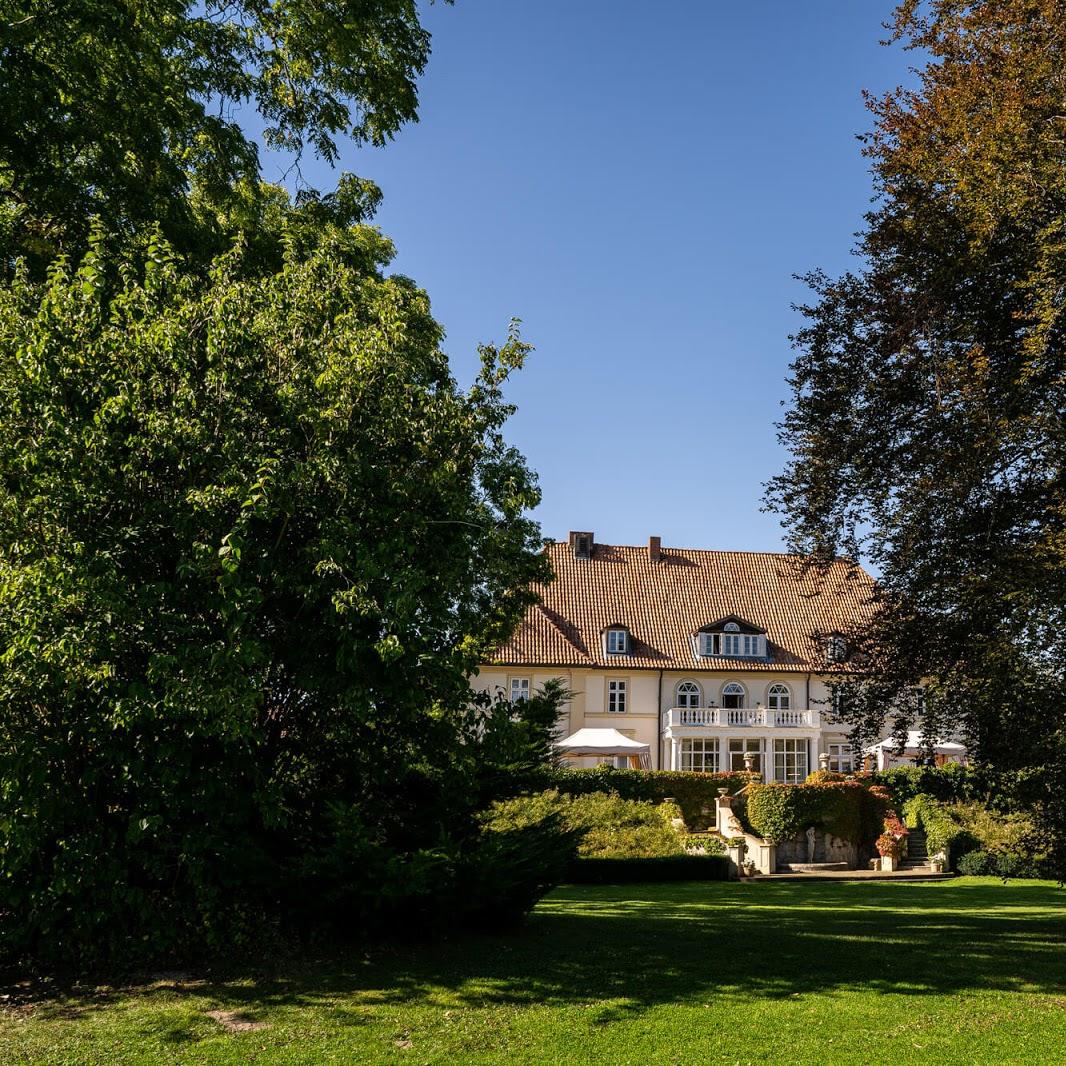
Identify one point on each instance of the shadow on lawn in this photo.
(630, 947)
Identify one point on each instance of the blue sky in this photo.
(638, 183)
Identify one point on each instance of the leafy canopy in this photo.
(926, 424)
(253, 540)
(116, 110)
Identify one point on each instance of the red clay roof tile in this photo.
(665, 603)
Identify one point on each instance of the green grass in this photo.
(964, 971)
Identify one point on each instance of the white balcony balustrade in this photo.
(742, 717)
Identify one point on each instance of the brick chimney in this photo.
(655, 551)
(581, 544)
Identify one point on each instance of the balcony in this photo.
(741, 718)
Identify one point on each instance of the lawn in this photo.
(963, 971)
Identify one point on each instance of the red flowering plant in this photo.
(890, 843)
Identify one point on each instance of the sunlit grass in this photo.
(965, 971)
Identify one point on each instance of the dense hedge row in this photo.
(694, 793)
(950, 783)
(632, 871)
(603, 824)
(845, 809)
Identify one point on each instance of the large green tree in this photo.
(117, 110)
(253, 540)
(927, 421)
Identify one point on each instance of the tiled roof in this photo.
(664, 603)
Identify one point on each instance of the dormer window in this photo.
(617, 641)
(836, 648)
(732, 639)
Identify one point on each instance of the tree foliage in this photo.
(116, 110)
(253, 540)
(926, 423)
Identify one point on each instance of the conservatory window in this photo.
(739, 747)
(790, 761)
(840, 759)
(699, 753)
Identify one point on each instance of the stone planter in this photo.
(889, 864)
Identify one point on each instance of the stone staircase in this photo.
(917, 851)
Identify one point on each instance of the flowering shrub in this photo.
(890, 842)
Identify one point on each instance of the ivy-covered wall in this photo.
(848, 810)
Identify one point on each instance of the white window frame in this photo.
(743, 693)
(741, 746)
(692, 691)
(841, 757)
(700, 754)
(731, 643)
(520, 683)
(617, 641)
(792, 757)
(774, 693)
(617, 695)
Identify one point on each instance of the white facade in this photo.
(700, 720)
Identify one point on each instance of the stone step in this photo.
(812, 867)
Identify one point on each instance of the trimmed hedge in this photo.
(692, 791)
(845, 809)
(633, 871)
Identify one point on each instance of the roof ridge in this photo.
(710, 551)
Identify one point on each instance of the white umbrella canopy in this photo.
(605, 742)
(888, 750)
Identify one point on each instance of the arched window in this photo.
(730, 627)
(733, 695)
(778, 698)
(688, 694)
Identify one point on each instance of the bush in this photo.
(632, 871)
(694, 793)
(704, 844)
(1005, 865)
(606, 825)
(948, 784)
(847, 810)
(976, 864)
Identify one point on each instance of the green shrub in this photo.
(976, 864)
(948, 783)
(694, 793)
(845, 809)
(632, 871)
(1004, 864)
(606, 825)
(705, 843)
